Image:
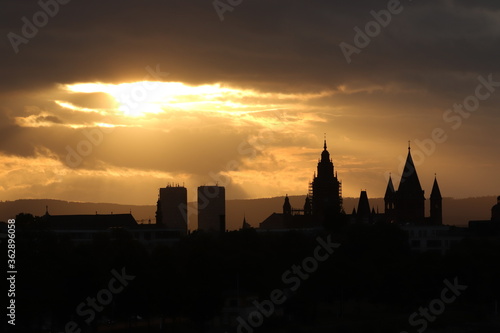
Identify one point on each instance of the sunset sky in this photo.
(106, 101)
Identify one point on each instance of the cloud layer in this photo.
(245, 100)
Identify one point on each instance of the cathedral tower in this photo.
(326, 191)
(410, 200)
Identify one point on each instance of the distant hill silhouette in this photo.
(455, 211)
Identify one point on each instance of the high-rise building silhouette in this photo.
(171, 209)
(212, 208)
(326, 191)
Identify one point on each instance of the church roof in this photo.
(273, 221)
(435, 193)
(410, 184)
(389, 192)
(363, 205)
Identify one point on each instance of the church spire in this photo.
(287, 208)
(245, 225)
(436, 204)
(325, 157)
(389, 191)
(410, 201)
(390, 201)
(435, 193)
(409, 178)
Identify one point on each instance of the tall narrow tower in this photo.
(389, 202)
(436, 204)
(410, 200)
(326, 198)
(212, 208)
(172, 208)
(287, 208)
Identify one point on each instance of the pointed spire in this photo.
(435, 193)
(324, 145)
(245, 225)
(389, 192)
(409, 179)
(410, 200)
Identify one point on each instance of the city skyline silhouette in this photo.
(233, 166)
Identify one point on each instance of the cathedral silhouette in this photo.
(407, 204)
(323, 203)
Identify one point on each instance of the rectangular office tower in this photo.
(171, 210)
(212, 208)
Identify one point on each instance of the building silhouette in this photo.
(495, 211)
(326, 191)
(322, 206)
(171, 208)
(363, 214)
(436, 211)
(212, 208)
(407, 204)
(245, 224)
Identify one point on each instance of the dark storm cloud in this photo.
(48, 119)
(436, 48)
(266, 44)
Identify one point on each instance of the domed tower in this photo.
(326, 196)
